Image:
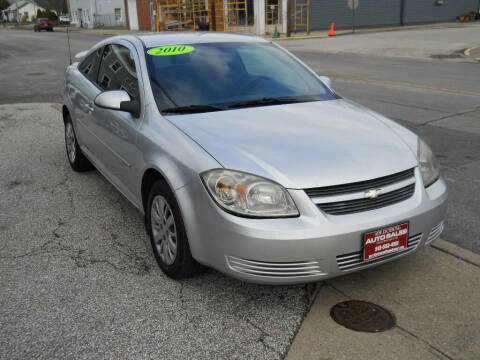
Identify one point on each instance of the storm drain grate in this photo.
(362, 316)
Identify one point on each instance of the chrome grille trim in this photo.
(359, 205)
(435, 233)
(274, 269)
(360, 186)
(350, 198)
(361, 195)
(354, 260)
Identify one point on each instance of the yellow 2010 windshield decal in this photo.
(170, 50)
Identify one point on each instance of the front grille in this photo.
(435, 233)
(274, 269)
(361, 185)
(354, 260)
(358, 205)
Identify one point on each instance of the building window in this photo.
(116, 66)
(118, 14)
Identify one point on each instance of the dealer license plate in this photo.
(385, 241)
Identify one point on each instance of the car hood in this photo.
(301, 145)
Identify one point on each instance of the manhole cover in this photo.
(362, 316)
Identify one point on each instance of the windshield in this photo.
(219, 76)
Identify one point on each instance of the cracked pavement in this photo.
(79, 280)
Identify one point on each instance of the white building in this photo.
(97, 13)
(21, 10)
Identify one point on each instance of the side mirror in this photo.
(326, 80)
(118, 100)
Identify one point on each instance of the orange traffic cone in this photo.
(332, 29)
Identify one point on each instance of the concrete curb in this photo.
(460, 253)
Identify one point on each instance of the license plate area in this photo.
(385, 241)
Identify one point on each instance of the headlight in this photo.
(428, 163)
(248, 195)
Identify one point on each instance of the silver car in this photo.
(244, 160)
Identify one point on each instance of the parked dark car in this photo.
(43, 24)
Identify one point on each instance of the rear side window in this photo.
(117, 71)
(90, 65)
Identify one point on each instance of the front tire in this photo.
(76, 159)
(168, 237)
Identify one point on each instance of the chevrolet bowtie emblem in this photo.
(372, 194)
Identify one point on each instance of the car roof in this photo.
(194, 37)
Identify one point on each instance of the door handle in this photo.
(85, 105)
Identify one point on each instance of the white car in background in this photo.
(65, 19)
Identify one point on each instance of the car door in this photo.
(117, 130)
(82, 91)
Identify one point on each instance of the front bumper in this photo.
(311, 247)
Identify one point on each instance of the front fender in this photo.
(174, 155)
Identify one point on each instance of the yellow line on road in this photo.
(405, 85)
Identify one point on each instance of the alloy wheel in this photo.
(70, 141)
(164, 230)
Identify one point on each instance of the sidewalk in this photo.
(324, 33)
(434, 295)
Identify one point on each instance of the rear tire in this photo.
(168, 237)
(75, 157)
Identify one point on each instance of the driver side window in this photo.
(117, 71)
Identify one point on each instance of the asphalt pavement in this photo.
(78, 277)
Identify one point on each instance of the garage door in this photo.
(423, 11)
(367, 13)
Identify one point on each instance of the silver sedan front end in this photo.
(313, 246)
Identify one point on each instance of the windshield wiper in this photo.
(193, 109)
(267, 101)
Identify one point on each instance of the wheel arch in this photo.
(150, 176)
(65, 113)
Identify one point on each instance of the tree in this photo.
(4, 4)
(60, 6)
(50, 15)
